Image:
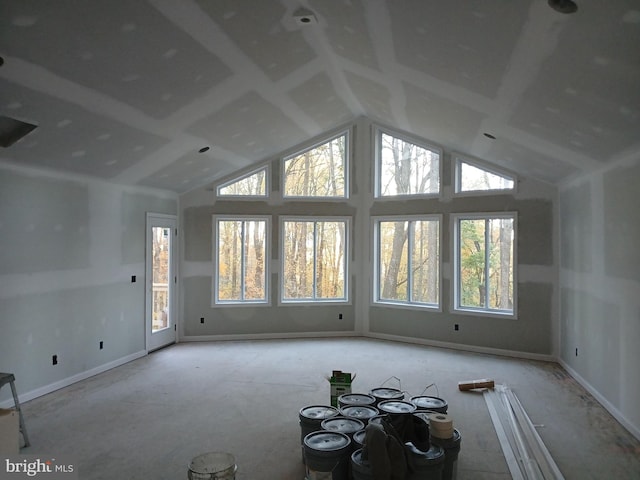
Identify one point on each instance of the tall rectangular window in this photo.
(405, 168)
(241, 246)
(408, 260)
(485, 262)
(314, 259)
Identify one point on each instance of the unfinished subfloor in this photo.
(147, 419)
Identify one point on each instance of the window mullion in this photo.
(410, 241)
(243, 260)
(487, 246)
(315, 260)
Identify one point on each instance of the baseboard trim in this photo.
(463, 347)
(65, 382)
(617, 414)
(265, 336)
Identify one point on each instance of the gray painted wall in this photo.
(68, 249)
(534, 331)
(600, 286)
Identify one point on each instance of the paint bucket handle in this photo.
(393, 378)
(429, 386)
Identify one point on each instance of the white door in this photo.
(161, 278)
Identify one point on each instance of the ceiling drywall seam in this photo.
(189, 17)
(41, 80)
(629, 157)
(547, 148)
(537, 42)
(379, 23)
(317, 40)
(37, 78)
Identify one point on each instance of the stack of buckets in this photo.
(332, 439)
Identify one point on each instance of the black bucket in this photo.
(327, 452)
(355, 400)
(359, 439)
(362, 412)
(425, 465)
(378, 419)
(383, 393)
(436, 404)
(396, 407)
(345, 425)
(311, 418)
(451, 447)
(360, 468)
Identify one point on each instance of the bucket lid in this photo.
(326, 441)
(453, 442)
(213, 462)
(396, 406)
(433, 456)
(387, 393)
(363, 411)
(428, 403)
(356, 459)
(378, 418)
(356, 399)
(359, 437)
(318, 412)
(342, 424)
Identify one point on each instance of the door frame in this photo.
(154, 341)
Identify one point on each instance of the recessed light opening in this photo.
(563, 6)
(488, 135)
(204, 149)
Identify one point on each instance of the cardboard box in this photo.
(340, 384)
(9, 432)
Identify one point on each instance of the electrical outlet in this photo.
(201, 319)
(54, 360)
(101, 344)
(576, 351)
(133, 279)
(456, 327)
(339, 316)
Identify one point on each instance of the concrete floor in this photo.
(147, 419)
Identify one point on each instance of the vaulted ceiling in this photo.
(129, 90)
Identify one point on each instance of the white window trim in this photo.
(455, 284)
(347, 162)
(375, 286)
(347, 249)
(237, 178)
(458, 158)
(215, 302)
(375, 148)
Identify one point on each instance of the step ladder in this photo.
(10, 379)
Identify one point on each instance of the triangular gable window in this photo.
(319, 171)
(253, 184)
(471, 177)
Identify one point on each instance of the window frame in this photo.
(458, 159)
(347, 165)
(412, 305)
(215, 300)
(456, 287)
(377, 157)
(346, 260)
(253, 171)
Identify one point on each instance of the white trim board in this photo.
(617, 414)
(266, 336)
(466, 348)
(65, 382)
